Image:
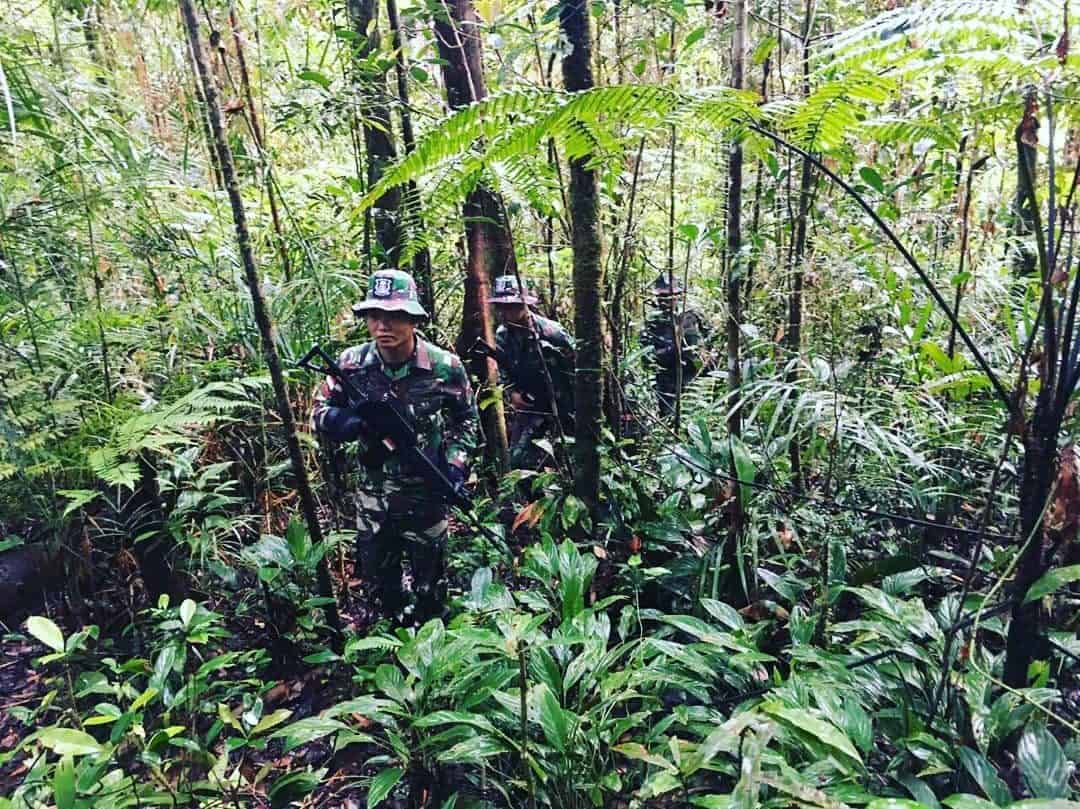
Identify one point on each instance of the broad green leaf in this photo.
(187, 612)
(984, 774)
(1052, 582)
(46, 631)
(1043, 763)
(381, 785)
(965, 800)
(455, 717)
(308, 730)
(143, 698)
(68, 741)
(872, 179)
(638, 752)
(271, 721)
(64, 783)
(313, 75)
(806, 722)
(895, 803)
(553, 719)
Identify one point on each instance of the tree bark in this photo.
(588, 272)
(734, 288)
(257, 135)
(422, 259)
(488, 251)
(374, 110)
(258, 304)
(798, 255)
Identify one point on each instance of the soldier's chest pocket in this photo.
(427, 404)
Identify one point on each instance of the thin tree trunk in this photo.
(257, 135)
(1041, 434)
(734, 288)
(422, 259)
(373, 103)
(262, 315)
(588, 272)
(798, 256)
(488, 251)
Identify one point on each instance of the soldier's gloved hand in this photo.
(457, 477)
(341, 424)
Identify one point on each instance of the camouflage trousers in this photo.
(392, 526)
(524, 429)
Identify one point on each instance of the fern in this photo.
(507, 130)
(170, 426)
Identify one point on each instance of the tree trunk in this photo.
(258, 305)
(373, 107)
(588, 272)
(798, 255)
(734, 289)
(487, 242)
(257, 135)
(422, 259)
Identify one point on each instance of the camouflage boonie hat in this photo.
(506, 291)
(662, 289)
(391, 291)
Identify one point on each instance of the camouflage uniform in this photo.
(520, 369)
(396, 509)
(660, 337)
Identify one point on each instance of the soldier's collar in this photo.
(421, 356)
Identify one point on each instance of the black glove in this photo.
(341, 424)
(457, 477)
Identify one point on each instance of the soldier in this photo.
(660, 337)
(396, 511)
(521, 369)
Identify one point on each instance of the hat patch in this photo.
(383, 287)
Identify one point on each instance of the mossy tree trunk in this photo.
(588, 272)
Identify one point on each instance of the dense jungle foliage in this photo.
(844, 572)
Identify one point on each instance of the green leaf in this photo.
(964, 800)
(1053, 581)
(46, 631)
(1043, 763)
(271, 721)
(313, 75)
(1038, 803)
(638, 752)
(872, 179)
(381, 785)
(187, 612)
(68, 741)
(308, 730)
(984, 774)
(805, 722)
(553, 719)
(64, 783)
(694, 36)
(895, 803)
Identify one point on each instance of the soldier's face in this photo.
(391, 331)
(512, 313)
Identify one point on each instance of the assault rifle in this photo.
(388, 429)
(534, 389)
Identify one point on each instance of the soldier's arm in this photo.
(656, 337)
(331, 414)
(462, 418)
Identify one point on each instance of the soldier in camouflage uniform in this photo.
(521, 369)
(660, 337)
(396, 511)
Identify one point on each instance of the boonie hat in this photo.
(506, 290)
(391, 291)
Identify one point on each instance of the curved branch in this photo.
(999, 388)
